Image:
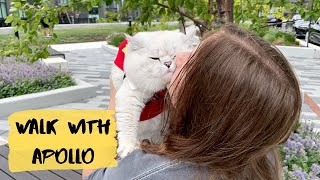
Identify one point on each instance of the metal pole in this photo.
(310, 20)
(309, 31)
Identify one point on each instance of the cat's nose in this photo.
(168, 64)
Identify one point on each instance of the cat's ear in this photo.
(191, 38)
(135, 43)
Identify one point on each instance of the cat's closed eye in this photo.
(155, 58)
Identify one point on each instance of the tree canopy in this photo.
(206, 14)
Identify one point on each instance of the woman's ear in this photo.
(133, 42)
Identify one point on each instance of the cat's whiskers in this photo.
(147, 86)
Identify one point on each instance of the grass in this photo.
(76, 35)
(86, 34)
(5, 38)
(163, 27)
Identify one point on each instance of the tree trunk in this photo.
(68, 17)
(220, 12)
(229, 10)
(225, 11)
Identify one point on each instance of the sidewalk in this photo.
(308, 72)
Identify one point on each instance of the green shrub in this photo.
(21, 88)
(115, 39)
(105, 20)
(270, 37)
(278, 37)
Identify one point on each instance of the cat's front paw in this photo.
(126, 148)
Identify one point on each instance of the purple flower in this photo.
(300, 174)
(300, 151)
(16, 73)
(315, 168)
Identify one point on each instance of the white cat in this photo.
(148, 66)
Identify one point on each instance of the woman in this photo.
(233, 101)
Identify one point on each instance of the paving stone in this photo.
(5, 135)
(4, 125)
(3, 140)
(2, 132)
(308, 71)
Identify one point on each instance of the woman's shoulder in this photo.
(141, 165)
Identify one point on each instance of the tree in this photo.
(254, 13)
(201, 12)
(31, 46)
(211, 14)
(206, 14)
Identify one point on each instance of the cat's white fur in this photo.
(144, 77)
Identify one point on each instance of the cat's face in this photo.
(150, 58)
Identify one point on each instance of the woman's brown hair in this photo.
(239, 99)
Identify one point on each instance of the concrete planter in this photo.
(110, 49)
(40, 100)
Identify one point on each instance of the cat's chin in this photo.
(168, 76)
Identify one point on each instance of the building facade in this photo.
(4, 11)
(80, 16)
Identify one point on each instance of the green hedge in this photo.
(21, 88)
(278, 37)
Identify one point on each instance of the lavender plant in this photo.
(17, 78)
(301, 154)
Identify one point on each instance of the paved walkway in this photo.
(90, 63)
(6, 174)
(308, 71)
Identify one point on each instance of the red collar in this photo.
(156, 104)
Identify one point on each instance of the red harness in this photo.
(156, 104)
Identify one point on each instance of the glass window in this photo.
(63, 1)
(3, 9)
(22, 14)
(94, 10)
